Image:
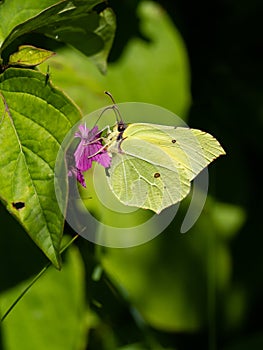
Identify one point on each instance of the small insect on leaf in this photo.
(47, 77)
(156, 175)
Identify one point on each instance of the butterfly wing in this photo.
(191, 148)
(143, 175)
(152, 165)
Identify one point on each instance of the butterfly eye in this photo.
(156, 175)
(173, 141)
(121, 126)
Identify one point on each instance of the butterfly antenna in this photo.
(110, 96)
(114, 107)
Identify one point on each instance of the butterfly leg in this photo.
(119, 145)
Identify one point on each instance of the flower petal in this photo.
(78, 175)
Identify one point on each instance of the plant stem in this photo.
(34, 280)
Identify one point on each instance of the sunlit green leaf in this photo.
(71, 23)
(34, 120)
(28, 55)
(15, 12)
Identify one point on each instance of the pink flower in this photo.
(78, 175)
(90, 149)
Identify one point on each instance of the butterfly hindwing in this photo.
(144, 175)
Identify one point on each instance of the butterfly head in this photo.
(121, 126)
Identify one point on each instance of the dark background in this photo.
(224, 43)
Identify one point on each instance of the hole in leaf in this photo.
(18, 205)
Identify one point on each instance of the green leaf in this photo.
(52, 315)
(34, 120)
(15, 12)
(28, 55)
(90, 33)
(106, 31)
(74, 24)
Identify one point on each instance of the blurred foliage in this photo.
(199, 290)
(154, 70)
(26, 328)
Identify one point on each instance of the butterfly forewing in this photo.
(191, 148)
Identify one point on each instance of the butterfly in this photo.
(149, 166)
(152, 165)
